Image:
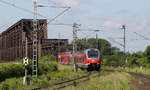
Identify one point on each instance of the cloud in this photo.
(143, 26)
(111, 24)
(1, 23)
(69, 2)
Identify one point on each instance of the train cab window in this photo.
(92, 54)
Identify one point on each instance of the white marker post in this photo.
(26, 63)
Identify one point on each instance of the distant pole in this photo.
(97, 45)
(26, 46)
(75, 28)
(59, 43)
(124, 46)
(96, 39)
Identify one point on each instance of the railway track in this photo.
(143, 79)
(71, 82)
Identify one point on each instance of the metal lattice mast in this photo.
(35, 41)
(75, 29)
(124, 46)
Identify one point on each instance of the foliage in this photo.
(140, 59)
(47, 67)
(47, 58)
(11, 84)
(140, 70)
(44, 80)
(106, 81)
(114, 56)
(113, 60)
(103, 45)
(9, 70)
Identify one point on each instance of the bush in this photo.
(47, 58)
(47, 67)
(11, 84)
(113, 60)
(9, 70)
(148, 65)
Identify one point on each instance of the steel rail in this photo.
(69, 82)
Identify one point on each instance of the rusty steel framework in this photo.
(12, 41)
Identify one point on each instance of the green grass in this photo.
(44, 80)
(107, 81)
(127, 69)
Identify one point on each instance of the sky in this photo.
(104, 15)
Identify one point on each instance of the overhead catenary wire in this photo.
(61, 13)
(26, 10)
(145, 38)
(115, 41)
(21, 8)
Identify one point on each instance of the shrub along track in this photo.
(74, 82)
(140, 81)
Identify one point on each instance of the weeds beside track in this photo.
(74, 81)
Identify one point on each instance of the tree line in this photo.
(114, 56)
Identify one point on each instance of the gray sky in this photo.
(106, 15)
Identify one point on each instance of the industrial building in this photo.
(12, 41)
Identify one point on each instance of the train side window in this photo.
(68, 59)
(76, 59)
(84, 59)
(60, 59)
(80, 59)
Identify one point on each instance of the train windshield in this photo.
(92, 54)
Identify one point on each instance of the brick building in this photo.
(12, 41)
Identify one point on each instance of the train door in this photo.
(59, 59)
(80, 60)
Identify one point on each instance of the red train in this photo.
(89, 59)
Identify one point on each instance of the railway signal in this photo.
(26, 63)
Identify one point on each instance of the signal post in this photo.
(26, 64)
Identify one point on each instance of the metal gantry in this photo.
(35, 42)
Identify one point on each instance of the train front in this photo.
(93, 59)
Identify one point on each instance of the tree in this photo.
(147, 53)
